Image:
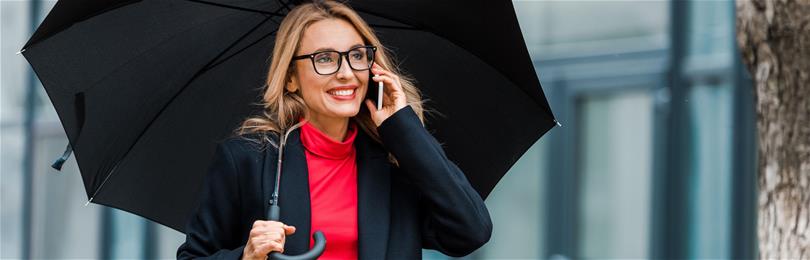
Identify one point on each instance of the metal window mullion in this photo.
(671, 211)
(743, 244)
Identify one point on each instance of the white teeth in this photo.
(342, 92)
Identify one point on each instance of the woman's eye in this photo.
(323, 59)
(357, 56)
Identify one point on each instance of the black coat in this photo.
(426, 202)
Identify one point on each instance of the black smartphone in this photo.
(373, 90)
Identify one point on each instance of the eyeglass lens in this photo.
(329, 62)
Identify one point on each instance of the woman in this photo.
(374, 181)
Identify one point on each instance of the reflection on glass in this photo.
(577, 28)
(615, 175)
(127, 235)
(710, 26)
(515, 207)
(12, 190)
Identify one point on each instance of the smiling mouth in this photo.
(341, 92)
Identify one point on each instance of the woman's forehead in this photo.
(330, 34)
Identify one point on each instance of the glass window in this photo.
(14, 77)
(169, 240)
(127, 235)
(710, 46)
(615, 175)
(12, 188)
(16, 29)
(576, 28)
(710, 27)
(61, 226)
(710, 109)
(516, 208)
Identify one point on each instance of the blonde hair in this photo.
(282, 109)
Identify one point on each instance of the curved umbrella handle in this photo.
(314, 253)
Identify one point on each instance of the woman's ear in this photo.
(292, 83)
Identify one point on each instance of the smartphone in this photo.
(374, 91)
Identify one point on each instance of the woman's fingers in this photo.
(259, 248)
(289, 230)
(393, 87)
(392, 91)
(270, 246)
(378, 70)
(394, 97)
(391, 84)
(271, 236)
(270, 224)
(388, 87)
(266, 237)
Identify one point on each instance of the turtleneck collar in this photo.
(320, 144)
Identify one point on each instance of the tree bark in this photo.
(774, 40)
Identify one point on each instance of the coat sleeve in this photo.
(455, 219)
(212, 231)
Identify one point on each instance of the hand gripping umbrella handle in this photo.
(314, 253)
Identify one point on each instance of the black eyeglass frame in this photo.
(311, 57)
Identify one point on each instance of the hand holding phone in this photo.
(387, 97)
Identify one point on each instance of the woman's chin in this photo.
(345, 111)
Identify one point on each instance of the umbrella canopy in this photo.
(145, 89)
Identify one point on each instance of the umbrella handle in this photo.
(314, 253)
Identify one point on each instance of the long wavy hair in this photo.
(283, 108)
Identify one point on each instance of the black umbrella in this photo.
(145, 89)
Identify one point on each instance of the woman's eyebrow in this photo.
(332, 49)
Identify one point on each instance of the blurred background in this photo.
(655, 156)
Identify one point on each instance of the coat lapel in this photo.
(294, 195)
(373, 198)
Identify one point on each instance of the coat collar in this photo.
(373, 192)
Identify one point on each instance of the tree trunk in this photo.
(774, 39)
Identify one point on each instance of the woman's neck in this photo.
(335, 128)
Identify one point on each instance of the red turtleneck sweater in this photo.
(332, 190)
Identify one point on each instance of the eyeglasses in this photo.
(328, 62)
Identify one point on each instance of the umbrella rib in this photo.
(143, 52)
(197, 74)
(395, 27)
(62, 27)
(286, 6)
(389, 18)
(419, 28)
(223, 60)
(275, 13)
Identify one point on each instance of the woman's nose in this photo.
(345, 71)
